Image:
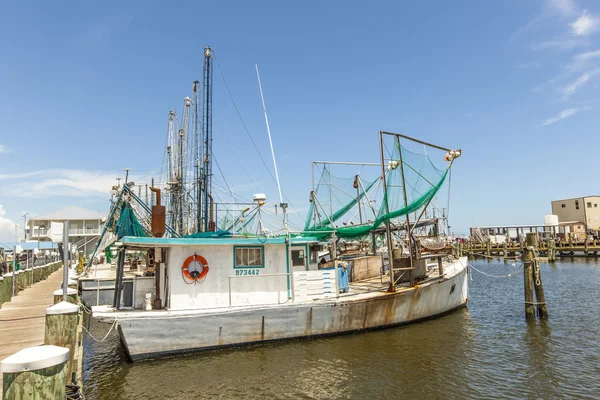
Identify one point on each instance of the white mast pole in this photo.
(281, 203)
(269, 132)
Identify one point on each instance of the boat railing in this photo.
(260, 276)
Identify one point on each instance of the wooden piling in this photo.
(1, 291)
(71, 296)
(528, 276)
(489, 248)
(61, 330)
(540, 298)
(35, 373)
(551, 250)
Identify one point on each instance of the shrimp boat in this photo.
(382, 258)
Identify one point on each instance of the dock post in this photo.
(585, 252)
(2, 300)
(35, 373)
(528, 276)
(540, 298)
(488, 246)
(61, 330)
(71, 296)
(551, 251)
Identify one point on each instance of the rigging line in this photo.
(269, 132)
(240, 117)
(244, 169)
(265, 210)
(248, 132)
(222, 176)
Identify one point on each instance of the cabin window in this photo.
(589, 204)
(595, 204)
(248, 257)
(298, 257)
(563, 205)
(576, 205)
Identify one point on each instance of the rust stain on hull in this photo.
(175, 335)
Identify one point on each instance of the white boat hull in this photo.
(155, 334)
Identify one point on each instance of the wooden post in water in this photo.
(528, 275)
(488, 246)
(61, 330)
(35, 373)
(540, 298)
(551, 250)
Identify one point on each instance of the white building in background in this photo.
(85, 227)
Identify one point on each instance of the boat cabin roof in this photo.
(132, 241)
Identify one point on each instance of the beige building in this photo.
(581, 209)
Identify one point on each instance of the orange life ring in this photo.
(195, 274)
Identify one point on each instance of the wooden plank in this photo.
(23, 318)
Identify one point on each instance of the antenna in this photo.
(126, 173)
(281, 203)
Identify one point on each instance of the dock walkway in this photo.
(22, 320)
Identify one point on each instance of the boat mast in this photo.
(392, 287)
(183, 138)
(171, 174)
(207, 136)
(281, 203)
(197, 151)
(408, 230)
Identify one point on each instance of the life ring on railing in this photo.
(192, 271)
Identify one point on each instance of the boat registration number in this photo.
(247, 271)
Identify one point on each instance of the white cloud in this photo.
(552, 8)
(585, 24)
(7, 227)
(569, 112)
(583, 60)
(578, 83)
(4, 149)
(562, 7)
(559, 44)
(59, 183)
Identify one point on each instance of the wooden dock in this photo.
(22, 319)
(561, 248)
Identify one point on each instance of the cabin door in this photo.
(299, 258)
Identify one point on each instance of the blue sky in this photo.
(87, 86)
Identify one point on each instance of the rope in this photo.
(497, 276)
(105, 336)
(86, 309)
(490, 275)
(536, 270)
(535, 262)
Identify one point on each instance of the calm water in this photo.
(485, 351)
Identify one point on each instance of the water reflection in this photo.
(486, 351)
